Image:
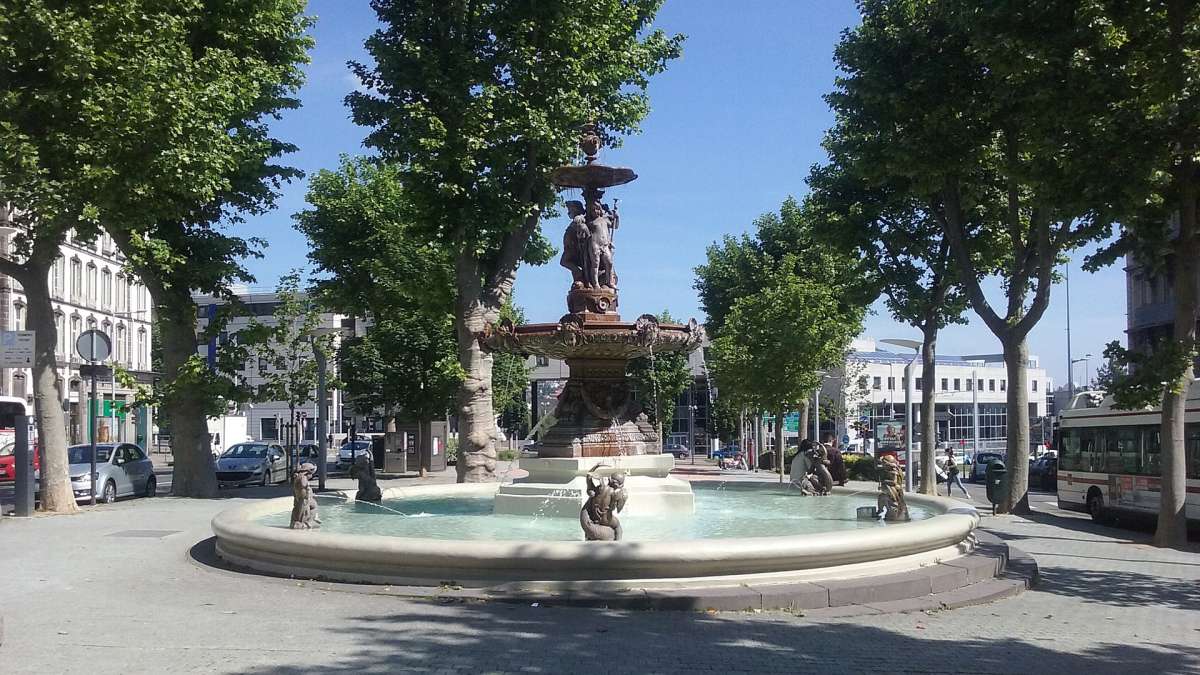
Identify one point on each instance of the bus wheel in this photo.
(1095, 505)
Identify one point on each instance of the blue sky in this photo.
(735, 125)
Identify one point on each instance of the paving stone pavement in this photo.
(81, 594)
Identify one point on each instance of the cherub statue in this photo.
(601, 221)
(598, 517)
(364, 471)
(823, 479)
(891, 504)
(575, 244)
(304, 500)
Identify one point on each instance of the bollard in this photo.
(23, 464)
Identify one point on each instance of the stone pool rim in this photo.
(385, 559)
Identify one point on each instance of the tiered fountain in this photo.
(758, 544)
(598, 422)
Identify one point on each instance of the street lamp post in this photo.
(1086, 360)
(914, 345)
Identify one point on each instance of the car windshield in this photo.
(987, 459)
(7, 449)
(82, 454)
(247, 450)
(358, 445)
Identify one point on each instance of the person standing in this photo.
(837, 465)
(952, 478)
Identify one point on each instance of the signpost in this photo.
(93, 346)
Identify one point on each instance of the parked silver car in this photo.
(251, 464)
(122, 470)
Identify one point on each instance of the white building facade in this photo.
(266, 421)
(870, 391)
(89, 289)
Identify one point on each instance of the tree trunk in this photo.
(193, 474)
(928, 410)
(1016, 497)
(476, 417)
(802, 425)
(424, 446)
(779, 443)
(56, 492)
(1172, 519)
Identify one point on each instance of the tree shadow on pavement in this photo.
(507, 638)
(1120, 588)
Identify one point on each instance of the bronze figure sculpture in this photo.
(364, 471)
(304, 500)
(891, 504)
(598, 517)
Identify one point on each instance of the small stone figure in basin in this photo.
(820, 468)
(891, 504)
(364, 471)
(598, 517)
(304, 500)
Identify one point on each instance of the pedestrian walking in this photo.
(952, 478)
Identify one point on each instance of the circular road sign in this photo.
(93, 345)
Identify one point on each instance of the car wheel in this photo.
(1095, 506)
(151, 486)
(110, 493)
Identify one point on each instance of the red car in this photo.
(8, 461)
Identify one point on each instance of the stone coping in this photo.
(575, 565)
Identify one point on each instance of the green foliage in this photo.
(510, 378)
(1137, 380)
(479, 101)
(508, 455)
(405, 364)
(783, 306)
(661, 381)
(775, 342)
(860, 467)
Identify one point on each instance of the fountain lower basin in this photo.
(246, 537)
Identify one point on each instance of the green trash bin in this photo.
(997, 477)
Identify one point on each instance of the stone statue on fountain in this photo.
(606, 498)
(368, 488)
(304, 499)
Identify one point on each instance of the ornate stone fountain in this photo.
(598, 418)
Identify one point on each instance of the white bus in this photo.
(1109, 458)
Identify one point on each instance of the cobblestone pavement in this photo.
(85, 594)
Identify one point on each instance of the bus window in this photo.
(1151, 451)
(1126, 450)
(1091, 458)
(1068, 449)
(1192, 447)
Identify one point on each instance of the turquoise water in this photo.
(720, 513)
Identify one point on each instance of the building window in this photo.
(129, 355)
(61, 328)
(76, 279)
(876, 383)
(119, 347)
(122, 297)
(18, 316)
(91, 323)
(1035, 385)
(969, 383)
(1003, 384)
(543, 361)
(918, 383)
(18, 385)
(106, 288)
(142, 362)
(957, 384)
(269, 431)
(57, 272)
(91, 284)
(980, 385)
(891, 384)
(991, 385)
(944, 387)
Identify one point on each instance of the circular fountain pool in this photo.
(722, 511)
(743, 533)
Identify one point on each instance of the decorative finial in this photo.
(589, 142)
